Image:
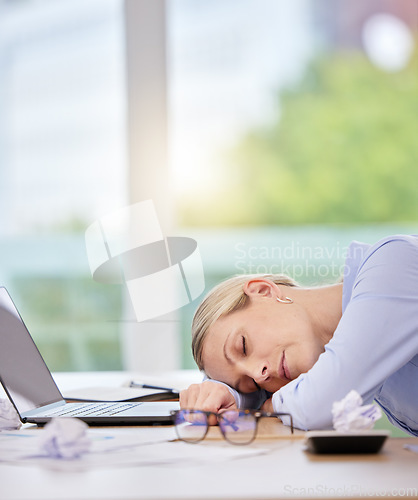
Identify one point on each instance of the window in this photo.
(63, 164)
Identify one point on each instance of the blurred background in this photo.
(272, 132)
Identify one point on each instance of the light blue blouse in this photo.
(374, 349)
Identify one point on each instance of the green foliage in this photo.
(343, 149)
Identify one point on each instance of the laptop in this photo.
(34, 393)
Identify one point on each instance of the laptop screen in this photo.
(23, 371)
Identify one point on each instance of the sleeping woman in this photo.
(264, 342)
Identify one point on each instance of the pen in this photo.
(156, 387)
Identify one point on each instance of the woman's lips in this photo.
(284, 369)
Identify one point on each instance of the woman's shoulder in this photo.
(360, 252)
(396, 240)
(398, 249)
(388, 263)
(391, 262)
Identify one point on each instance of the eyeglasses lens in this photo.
(191, 425)
(238, 427)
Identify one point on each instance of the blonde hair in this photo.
(225, 298)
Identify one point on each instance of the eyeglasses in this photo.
(237, 426)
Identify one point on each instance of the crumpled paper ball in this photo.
(65, 438)
(350, 415)
(9, 419)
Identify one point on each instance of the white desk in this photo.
(286, 470)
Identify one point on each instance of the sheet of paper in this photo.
(124, 447)
(412, 447)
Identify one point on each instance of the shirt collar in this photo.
(355, 256)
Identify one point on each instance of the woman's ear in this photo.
(260, 287)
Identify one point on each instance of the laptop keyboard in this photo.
(89, 409)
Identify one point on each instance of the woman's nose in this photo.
(261, 372)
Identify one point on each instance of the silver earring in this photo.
(286, 300)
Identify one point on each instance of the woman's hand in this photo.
(208, 396)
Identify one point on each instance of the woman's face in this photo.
(264, 345)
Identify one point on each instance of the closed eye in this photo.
(244, 347)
